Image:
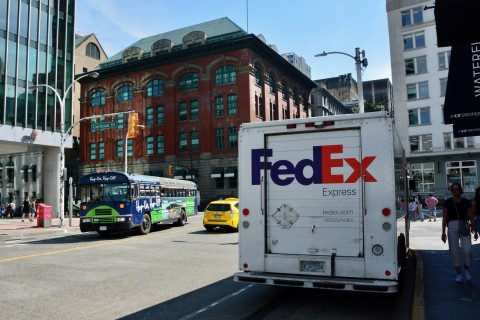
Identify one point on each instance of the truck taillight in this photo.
(386, 212)
(246, 212)
(245, 266)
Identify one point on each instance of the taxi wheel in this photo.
(146, 224)
(209, 228)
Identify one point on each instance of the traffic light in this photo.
(171, 170)
(132, 125)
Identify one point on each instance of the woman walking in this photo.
(457, 211)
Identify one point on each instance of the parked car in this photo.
(222, 214)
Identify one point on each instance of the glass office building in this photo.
(36, 47)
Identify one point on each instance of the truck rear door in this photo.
(313, 193)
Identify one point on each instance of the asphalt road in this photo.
(172, 273)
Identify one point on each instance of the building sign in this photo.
(462, 98)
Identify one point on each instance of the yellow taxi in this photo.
(222, 214)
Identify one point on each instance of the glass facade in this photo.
(36, 47)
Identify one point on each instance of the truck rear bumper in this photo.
(328, 283)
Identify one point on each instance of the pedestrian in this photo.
(412, 207)
(2, 211)
(431, 202)
(26, 209)
(457, 212)
(33, 209)
(476, 208)
(12, 209)
(418, 200)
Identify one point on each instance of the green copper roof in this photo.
(214, 28)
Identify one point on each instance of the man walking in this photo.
(431, 202)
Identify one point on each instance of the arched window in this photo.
(271, 83)
(295, 98)
(225, 74)
(92, 51)
(98, 98)
(188, 81)
(125, 93)
(258, 76)
(284, 91)
(155, 88)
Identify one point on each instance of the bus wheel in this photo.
(183, 218)
(402, 251)
(146, 224)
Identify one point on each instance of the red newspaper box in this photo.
(44, 216)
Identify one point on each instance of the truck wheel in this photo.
(183, 218)
(146, 224)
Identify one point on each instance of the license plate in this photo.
(313, 266)
(103, 228)
(217, 216)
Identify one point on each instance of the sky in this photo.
(305, 27)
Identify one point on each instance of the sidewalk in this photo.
(16, 228)
(440, 297)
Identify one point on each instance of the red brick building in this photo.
(192, 89)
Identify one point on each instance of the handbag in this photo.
(463, 225)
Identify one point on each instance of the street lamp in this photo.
(359, 63)
(126, 145)
(62, 132)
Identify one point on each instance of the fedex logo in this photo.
(283, 172)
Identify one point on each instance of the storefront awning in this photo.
(217, 172)
(230, 172)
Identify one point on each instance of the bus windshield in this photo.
(105, 192)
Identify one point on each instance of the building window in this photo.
(421, 143)
(444, 60)
(93, 151)
(120, 145)
(219, 145)
(417, 90)
(419, 116)
(284, 92)
(462, 172)
(120, 121)
(160, 144)
(155, 88)
(194, 110)
(92, 51)
(194, 141)
(457, 143)
(412, 16)
(424, 176)
(130, 148)
(98, 98)
(258, 106)
(149, 144)
(149, 116)
(182, 111)
(225, 74)
(25, 173)
(416, 65)
(232, 138)
(188, 81)
(160, 115)
(125, 93)
(271, 83)
(101, 150)
(443, 87)
(232, 104)
(182, 142)
(258, 76)
(414, 40)
(218, 106)
(295, 98)
(34, 172)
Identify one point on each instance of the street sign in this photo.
(102, 126)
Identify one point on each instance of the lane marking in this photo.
(94, 245)
(213, 304)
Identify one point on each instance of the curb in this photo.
(418, 304)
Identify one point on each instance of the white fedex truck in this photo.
(322, 203)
